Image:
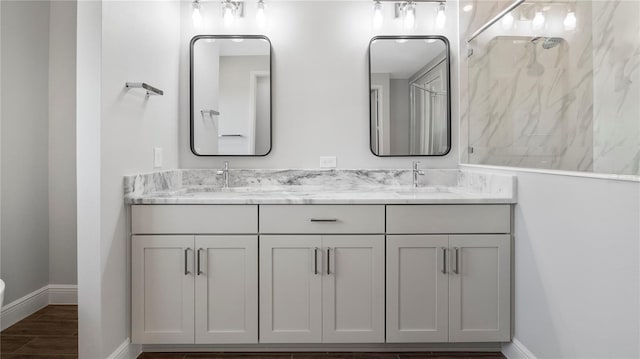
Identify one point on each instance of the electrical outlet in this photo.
(328, 162)
(157, 157)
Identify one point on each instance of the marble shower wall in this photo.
(573, 106)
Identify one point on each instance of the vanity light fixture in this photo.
(538, 21)
(378, 18)
(197, 17)
(406, 12)
(441, 17)
(570, 21)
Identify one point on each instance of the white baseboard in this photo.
(126, 350)
(36, 300)
(516, 350)
(63, 294)
(24, 307)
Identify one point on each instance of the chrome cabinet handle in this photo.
(444, 260)
(186, 261)
(315, 260)
(456, 269)
(323, 220)
(328, 261)
(199, 271)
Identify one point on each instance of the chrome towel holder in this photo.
(151, 91)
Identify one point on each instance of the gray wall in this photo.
(62, 143)
(320, 81)
(118, 41)
(24, 154)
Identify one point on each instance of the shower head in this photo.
(551, 42)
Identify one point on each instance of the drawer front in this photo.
(426, 219)
(194, 219)
(326, 219)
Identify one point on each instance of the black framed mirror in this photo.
(230, 95)
(409, 96)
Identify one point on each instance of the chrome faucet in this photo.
(225, 174)
(416, 172)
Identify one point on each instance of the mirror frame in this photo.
(448, 61)
(246, 37)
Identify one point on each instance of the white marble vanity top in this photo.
(319, 187)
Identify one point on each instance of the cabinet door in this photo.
(162, 289)
(480, 287)
(417, 289)
(226, 289)
(290, 289)
(353, 289)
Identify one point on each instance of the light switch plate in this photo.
(157, 157)
(328, 162)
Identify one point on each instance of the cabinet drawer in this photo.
(425, 219)
(194, 219)
(325, 219)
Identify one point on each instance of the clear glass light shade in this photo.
(410, 16)
(507, 21)
(441, 17)
(570, 21)
(538, 21)
(196, 15)
(261, 18)
(377, 15)
(228, 13)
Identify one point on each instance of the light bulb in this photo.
(410, 16)
(507, 21)
(441, 17)
(467, 8)
(260, 16)
(538, 21)
(197, 17)
(228, 13)
(377, 15)
(570, 21)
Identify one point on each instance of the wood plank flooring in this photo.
(52, 333)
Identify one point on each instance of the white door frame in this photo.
(380, 118)
(253, 94)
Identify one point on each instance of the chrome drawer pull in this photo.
(186, 260)
(315, 260)
(456, 270)
(323, 220)
(199, 271)
(444, 260)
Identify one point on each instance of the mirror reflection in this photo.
(409, 96)
(230, 95)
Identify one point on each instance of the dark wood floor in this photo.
(419, 355)
(52, 333)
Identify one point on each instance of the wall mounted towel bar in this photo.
(150, 89)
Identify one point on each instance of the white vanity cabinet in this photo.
(448, 287)
(194, 289)
(322, 288)
(357, 273)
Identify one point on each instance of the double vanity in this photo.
(309, 257)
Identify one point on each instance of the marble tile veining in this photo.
(318, 187)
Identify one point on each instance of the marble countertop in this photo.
(320, 187)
